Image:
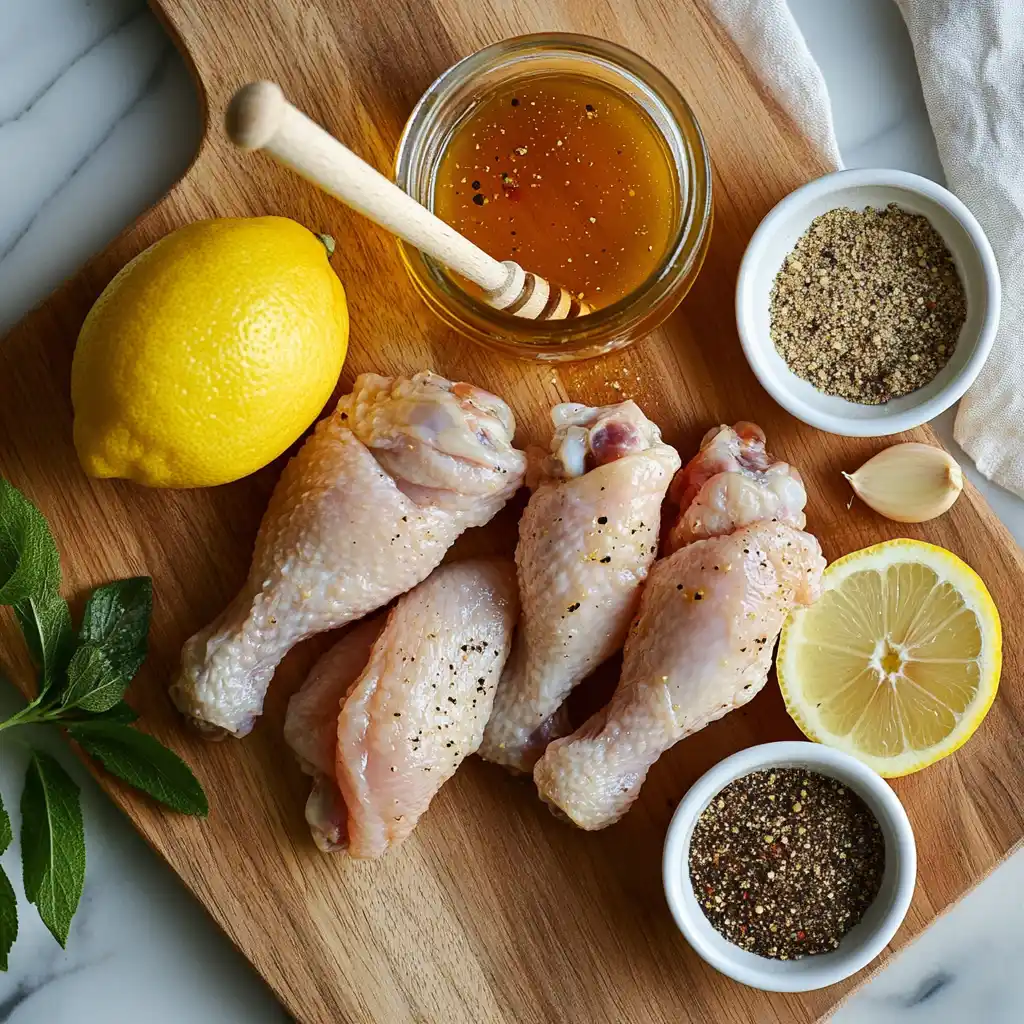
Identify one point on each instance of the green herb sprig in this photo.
(81, 680)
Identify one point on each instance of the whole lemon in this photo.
(208, 354)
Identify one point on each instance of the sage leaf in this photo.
(8, 901)
(30, 582)
(121, 712)
(142, 762)
(116, 620)
(6, 833)
(93, 683)
(112, 644)
(45, 621)
(8, 918)
(52, 843)
(29, 561)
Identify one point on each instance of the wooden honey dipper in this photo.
(259, 117)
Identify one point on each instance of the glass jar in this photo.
(452, 97)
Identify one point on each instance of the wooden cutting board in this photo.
(493, 911)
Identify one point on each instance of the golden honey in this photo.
(591, 171)
(569, 177)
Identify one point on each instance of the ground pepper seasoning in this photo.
(784, 863)
(868, 305)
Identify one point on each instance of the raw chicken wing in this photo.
(701, 646)
(364, 511)
(586, 540)
(411, 708)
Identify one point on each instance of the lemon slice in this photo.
(899, 660)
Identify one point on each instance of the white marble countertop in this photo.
(97, 119)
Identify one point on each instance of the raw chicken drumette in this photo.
(732, 482)
(311, 727)
(700, 646)
(364, 511)
(586, 541)
(413, 702)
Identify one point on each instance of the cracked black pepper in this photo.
(784, 863)
(868, 305)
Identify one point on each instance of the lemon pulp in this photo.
(899, 660)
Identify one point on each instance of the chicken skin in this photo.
(701, 646)
(365, 511)
(586, 540)
(732, 482)
(702, 642)
(383, 721)
(311, 727)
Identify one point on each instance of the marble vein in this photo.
(33, 56)
(41, 149)
(928, 989)
(112, 129)
(26, 990)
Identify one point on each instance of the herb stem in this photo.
(27, 715)
(33, 714)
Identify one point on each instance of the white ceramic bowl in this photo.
(774, 240)
(864, 941)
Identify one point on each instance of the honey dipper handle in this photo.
(260, 117)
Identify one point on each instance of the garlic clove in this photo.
(909, 483)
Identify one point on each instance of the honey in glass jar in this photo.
(579, 161)
(568, 177)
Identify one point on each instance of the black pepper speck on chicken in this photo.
(586, 540)
(366, 510)
(701, 644)
(412, 707)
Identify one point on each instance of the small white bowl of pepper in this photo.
(789, 866)
(867, 301)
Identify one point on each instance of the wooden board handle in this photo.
(259, 117)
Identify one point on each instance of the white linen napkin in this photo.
(970, 55)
